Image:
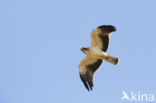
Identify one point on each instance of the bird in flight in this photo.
(95, 54)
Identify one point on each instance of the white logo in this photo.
(137, 97)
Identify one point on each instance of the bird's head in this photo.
(84, 50)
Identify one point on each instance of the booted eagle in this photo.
(95, 54)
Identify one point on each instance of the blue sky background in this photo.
(40, 44)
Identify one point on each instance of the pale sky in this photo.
(40, 43)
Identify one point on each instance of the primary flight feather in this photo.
(95, 54)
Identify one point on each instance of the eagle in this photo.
(95, 54)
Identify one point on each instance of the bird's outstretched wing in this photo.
(100, 36)
(87, 68)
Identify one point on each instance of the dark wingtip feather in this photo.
(107, 28)
(87, 81)
(84, 82)
(90, 84)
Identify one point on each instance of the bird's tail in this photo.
(113, 60)
(110, 59)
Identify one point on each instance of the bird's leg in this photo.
(109, 58)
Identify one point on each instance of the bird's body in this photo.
(95, 54)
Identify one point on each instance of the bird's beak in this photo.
(82, 50)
